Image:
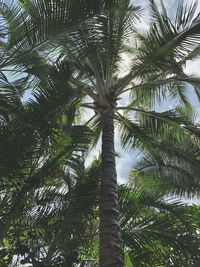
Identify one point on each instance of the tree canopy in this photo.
(58, 59)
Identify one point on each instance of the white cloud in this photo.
(193, 67)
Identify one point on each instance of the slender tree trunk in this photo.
(111, 254)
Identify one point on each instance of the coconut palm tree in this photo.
(36, 138)
(41, 193)
(34, 198)
(95, 48)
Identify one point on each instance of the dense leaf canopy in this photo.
(60, 58)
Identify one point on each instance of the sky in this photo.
(127, 159)
(125, 162)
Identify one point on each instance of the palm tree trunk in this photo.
(111, 254)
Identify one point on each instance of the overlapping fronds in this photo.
(152, 229)
(30, 24)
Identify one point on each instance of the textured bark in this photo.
(111, 254)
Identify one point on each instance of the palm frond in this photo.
(164, 45)
(149, 229)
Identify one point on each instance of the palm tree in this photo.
(42, 193)
(35, 139)
(94, 49)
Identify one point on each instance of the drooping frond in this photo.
(33, 24)
(149, 229)
(162, 50)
